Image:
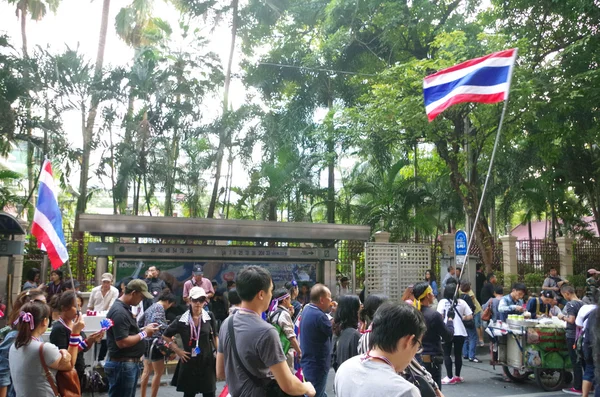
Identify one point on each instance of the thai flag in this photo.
(484, 80)
(47, 220)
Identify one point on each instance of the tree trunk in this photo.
(30, 147)
(222, 135)
(88, 127)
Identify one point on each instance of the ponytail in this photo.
(31, 316)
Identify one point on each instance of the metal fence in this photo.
(497, 258)
(536, 256)
(586, 255)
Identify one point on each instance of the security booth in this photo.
(12, 245)
(304, 252)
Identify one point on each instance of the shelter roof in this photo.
(218, 229)
(9, 225)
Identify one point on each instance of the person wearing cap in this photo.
(125, 340)
(546, 305)
(197, 280)
(195, 372)
(103, 296)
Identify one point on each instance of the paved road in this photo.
(480, 380)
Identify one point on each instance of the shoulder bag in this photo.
(487, 313)
(469, 324)
(67, 382)
(270, 386)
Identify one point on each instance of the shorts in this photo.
(477, 320)
(152, 353)
(588, 373)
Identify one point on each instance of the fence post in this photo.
(447, 245)
(382, 237)
(101, 268)
(17, 280)
(509, 255)
(565, 255)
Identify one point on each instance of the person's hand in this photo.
(310, 389)
(560, 316)
(451, 314)
(96, 337)
(439, 393)
(78, 324)
(299, 353)
(593, 271)
(151, 329)
(66, 357)
(520, 309)
(183, 355)
(334, 306)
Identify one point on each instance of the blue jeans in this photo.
(122, 378)
(319, 382)
(470, 343)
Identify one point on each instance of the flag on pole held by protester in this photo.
(484, 80)
(47, 220)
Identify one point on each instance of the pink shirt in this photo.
(205, 283)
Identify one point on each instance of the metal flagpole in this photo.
(487, 178)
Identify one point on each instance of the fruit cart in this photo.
(530, 347)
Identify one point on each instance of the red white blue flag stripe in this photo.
(47, 220)
(483, 80)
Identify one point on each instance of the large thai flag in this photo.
(47, 220)
(484, 80)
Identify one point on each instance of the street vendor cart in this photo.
(526, 347)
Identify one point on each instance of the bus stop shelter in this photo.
(305, 252)
(12, 245)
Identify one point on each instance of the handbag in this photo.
(487, 313)
(67, 382)
(271, 387)
(469, 324)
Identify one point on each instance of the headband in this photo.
(417, 301)
(275, 302)
(25, 317)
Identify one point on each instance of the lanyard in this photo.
(195, 332)
(368, 356)
(243, 309)
(36, 339)
(65, 324)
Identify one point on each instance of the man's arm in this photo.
(115, 295)
(287, 381)
(220, 366)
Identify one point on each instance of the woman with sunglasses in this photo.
(195, 372)
(30, 295)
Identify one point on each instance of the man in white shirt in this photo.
(103, 296)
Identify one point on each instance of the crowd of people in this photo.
(266, 342)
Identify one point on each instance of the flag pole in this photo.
(489, 173)
(73, 286)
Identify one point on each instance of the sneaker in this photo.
(474, 360)
(465, 357)
(572, 390)
(456, 380)
(446, 381)
(481, 343)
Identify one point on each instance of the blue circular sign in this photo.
(460, 243)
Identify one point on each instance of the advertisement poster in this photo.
(176, 273)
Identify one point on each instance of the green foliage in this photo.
(577, 280)
(534, 280)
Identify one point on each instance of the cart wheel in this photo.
(550, 379)
(514, 374)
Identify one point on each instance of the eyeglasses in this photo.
(199, 300)
(420, 349)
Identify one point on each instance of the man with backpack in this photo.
(569, 314)
(280, 317)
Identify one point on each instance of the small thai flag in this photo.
(47, 220)
(483, 80)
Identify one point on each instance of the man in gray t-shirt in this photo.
(256, 341)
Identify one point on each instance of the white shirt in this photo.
(100, 303)
(585, 309)
(462, 308)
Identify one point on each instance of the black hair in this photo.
(234, 297)
(167, 296)
(124, 282)
(71, 283)
(499, 290)
(490, 276)
(289, 286)
(478, 266)
(344, 279)
(39, 311)
(317, 292)
(419, 288)
(519, 287)
(450, 268)
(32, 273)
(251, 280)
(346, 314)
(431, 275)
(279, 292)
(394, 321)
(59, 273)
(552, 268)
(370, 306)
(465, 286)
(567, 288)
(23, 298)
(450, 291)
(64, 301)
(230, 283)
